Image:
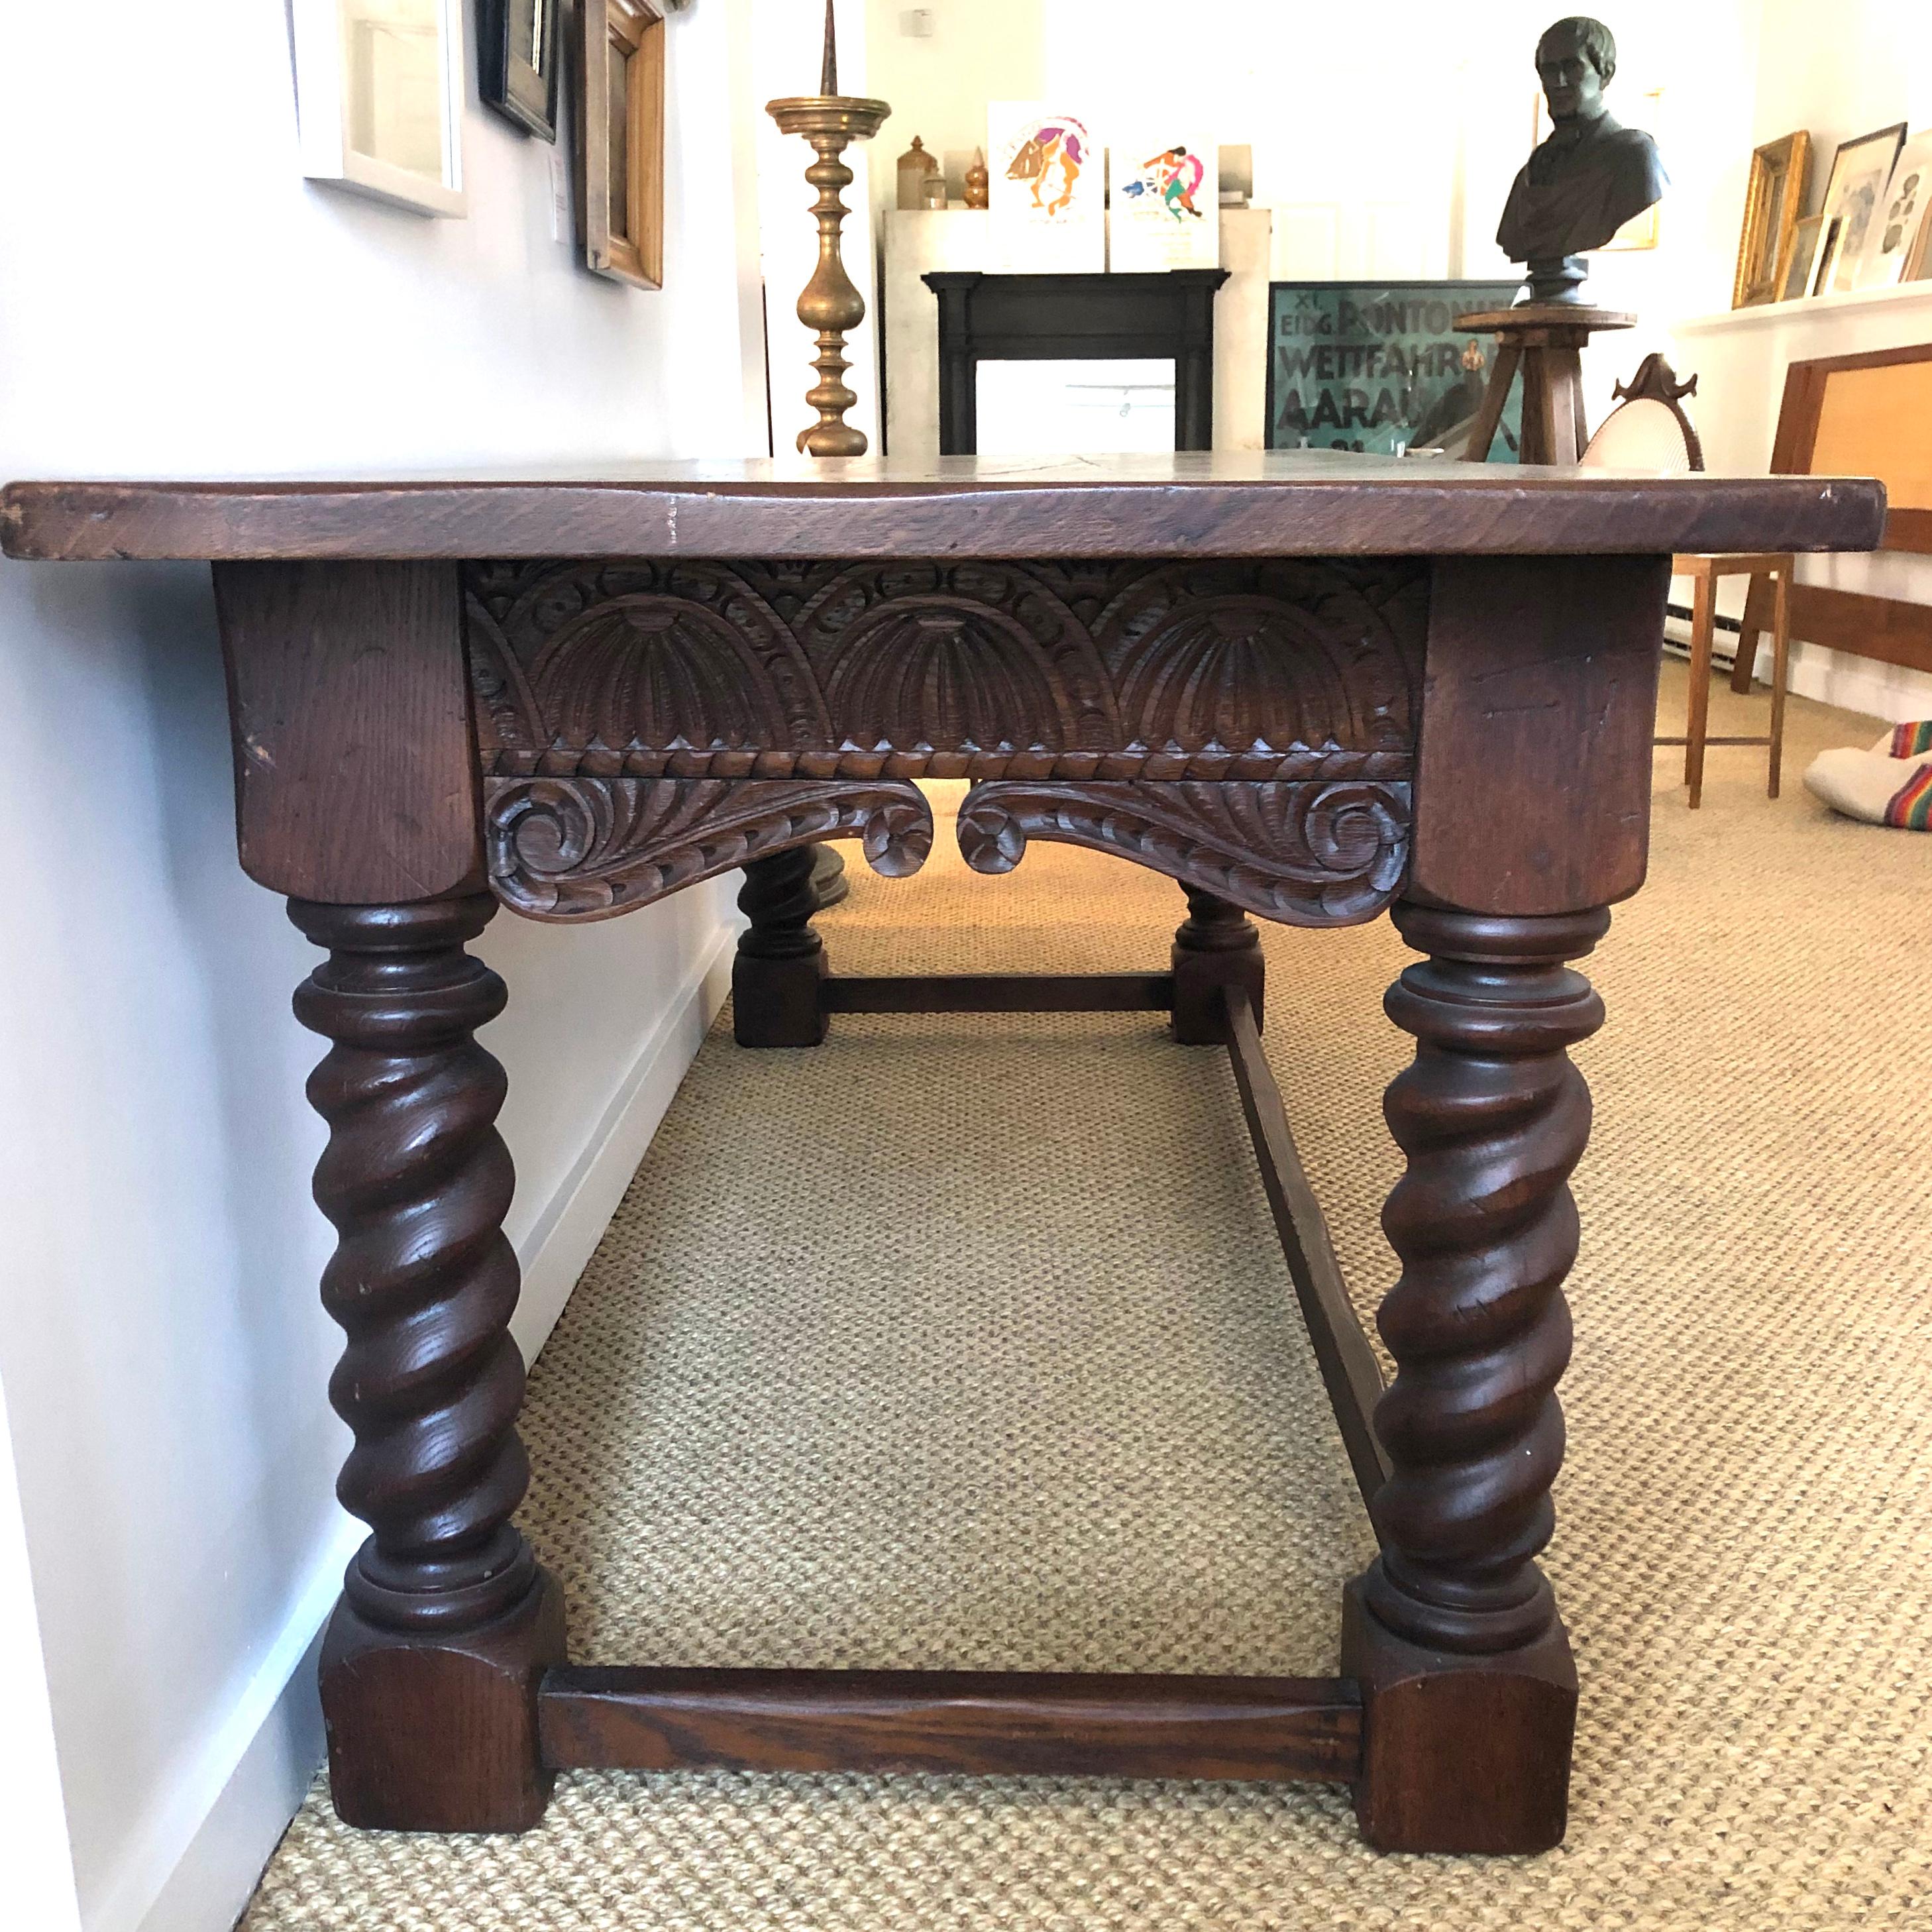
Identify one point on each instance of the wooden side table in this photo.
(1706, 572)
(1542, 341)
(1311, 687)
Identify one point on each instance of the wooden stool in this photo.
(1706, 571)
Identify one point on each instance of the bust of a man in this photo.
(1589, 178)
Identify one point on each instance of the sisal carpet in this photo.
(966, 1342)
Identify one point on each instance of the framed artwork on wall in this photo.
(1895, 248)
(518, 55)
(1780, 178)
(620, 122)
(379, 98)
(1854, 198)
(1381, 366)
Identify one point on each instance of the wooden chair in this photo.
(1705, 572)
(1649, 432)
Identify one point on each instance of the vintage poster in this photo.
(1382, 367)
(1047, 197)
(1166, 204)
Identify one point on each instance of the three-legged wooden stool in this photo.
(1706, 571)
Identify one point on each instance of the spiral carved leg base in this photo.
(430, 1669)
(440, 1735)
(778, 977)
(1217, 952)
(1453, 1629)
(1460, 1754)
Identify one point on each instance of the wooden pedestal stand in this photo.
(1542, 339)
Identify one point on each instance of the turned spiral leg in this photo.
(1453, 1630)
(780, 967)
(1217, 952)
(429, 1670)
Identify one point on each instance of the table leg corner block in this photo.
(437, 1731)
(1217, 958)
(778, 1002)
(1460, 1753)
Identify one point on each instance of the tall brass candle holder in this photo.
(830, 306)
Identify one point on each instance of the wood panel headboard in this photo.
(1868, 415)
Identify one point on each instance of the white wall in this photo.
(978, 51)
(176, 301)
(1873, 67)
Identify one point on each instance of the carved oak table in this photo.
(1310, 687)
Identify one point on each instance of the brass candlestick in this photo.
(830, 305)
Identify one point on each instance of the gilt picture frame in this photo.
(1801, 259)
(519, 56)
(1781, 179)
(379, 99)
(620, 122)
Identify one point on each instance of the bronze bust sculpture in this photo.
(1591, 176)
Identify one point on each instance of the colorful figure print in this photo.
(1176, 176)
(1056, 146)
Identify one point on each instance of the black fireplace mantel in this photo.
(1048, 318)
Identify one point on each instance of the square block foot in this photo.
(1203, 982)
(1460, 1754)
(778, 1002)
(436, 1733)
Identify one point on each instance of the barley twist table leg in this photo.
(1466, 1674)
(430, 1667)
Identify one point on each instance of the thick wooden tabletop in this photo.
(1231, 503)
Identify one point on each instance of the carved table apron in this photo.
(1307, 688)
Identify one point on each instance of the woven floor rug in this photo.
(966, 1342)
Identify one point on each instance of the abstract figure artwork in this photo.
(1166, 207)
(1177, 175)
(1050, 162)
(1046, 193)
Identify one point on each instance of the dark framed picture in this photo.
(620, 131)
(1831, 247)
(1382, 367)
(1854, 198)
(519, 50)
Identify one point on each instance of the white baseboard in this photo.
(195, 1862)
(1889, 692)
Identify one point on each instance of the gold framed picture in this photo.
(1780, 178)
(1801, 262)
(620, 139)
